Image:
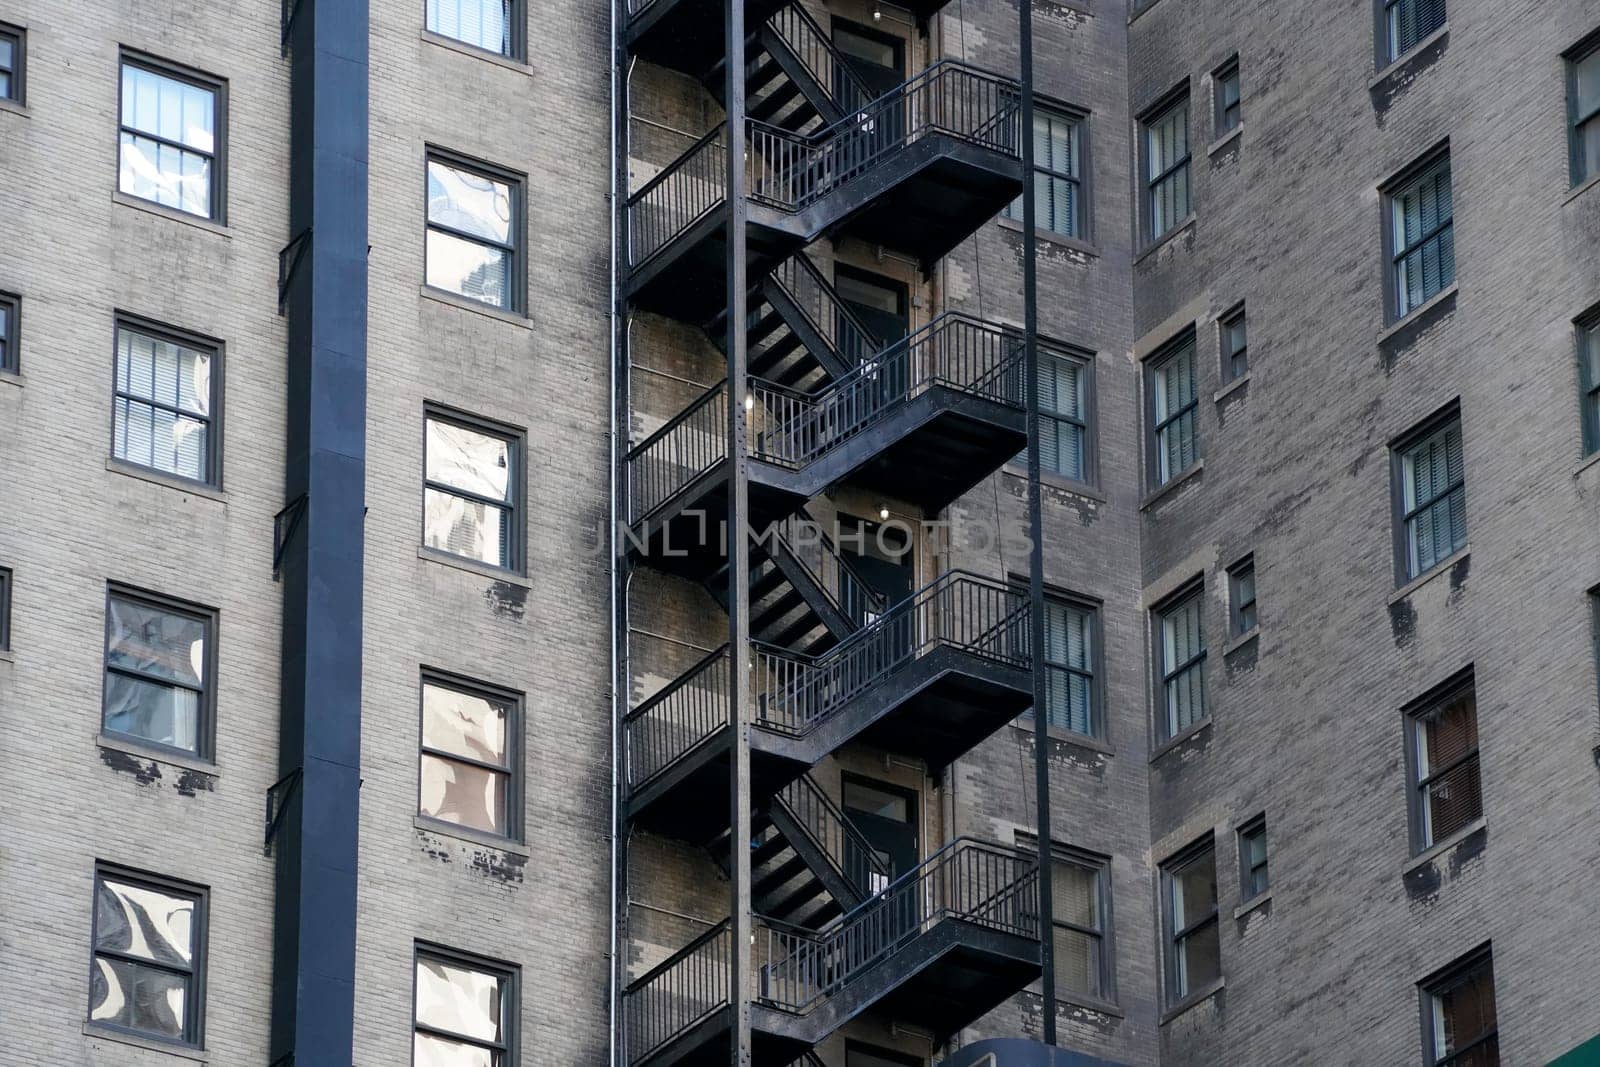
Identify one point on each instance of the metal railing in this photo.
(967, 880)
(831, 318)
(815, 51)
(688, 445)
(684, 989)
(796, 693)
(682, 715)
(830, 570)
(690, 188)
(850, 853)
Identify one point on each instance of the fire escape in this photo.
(826, 661)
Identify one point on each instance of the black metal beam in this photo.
(325, 297)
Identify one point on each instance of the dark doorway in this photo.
(886, 815)
(880, 556)
(878, 60)
(879, 303)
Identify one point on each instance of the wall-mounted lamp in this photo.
(877, 13)
(749, 401)
(883, 513)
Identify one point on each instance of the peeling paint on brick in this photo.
(1403, 622)
(501, 866)
(432, 847)
(144, 771)
(191, 782)
(507, 600)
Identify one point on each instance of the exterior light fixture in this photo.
(749, 401)
(883, 513)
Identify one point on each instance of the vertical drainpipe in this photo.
(1041, 730)
(619, 597)
(741, 928)
(319, 747)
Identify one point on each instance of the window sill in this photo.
(1156, 495)
(433, 555)
(1205, 993)
(1160, 242)
(1066, 737)
(130, 747)
(445, 828)
(209, 225)
(1429, 575)
(1252, 904)
(7, 656)
(1249, 637)
(1417, 314)
(151, 1044)
(1226, 140)
(484, 54)
(1591, 461)
(1439, 848)
(1417, 50)
(1232, 387)
(1076, 244)
(144, 474)
(7, 104)
(1058, 481)
(1082, 1000)
(444, 296)
(1179, 738)
(11, 377)
(1581, 188)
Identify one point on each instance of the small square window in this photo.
(5, 609)
(1589, 380)
(1071, 637)
(1459, 1027)
(474, 238)
(1226, 80)
(1165, 147)
(465, 1011)
(1242, 596)
(149, 956)
(1406, 23)
(1234, 343)
(470, 755)
(163, 413)
(10, 333)
(1431, 496)
(13, 57)
(1173, 402)
(1446, 791)
(1066, 391)
(1181, 645)
(1059, 204)
(1421, 235)
(472, 491)
(171, 136)
(159, 668)
(1253, 876)
(1189, 898)
(1583, 107)
(492, 25)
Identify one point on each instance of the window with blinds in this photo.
(1460, 1027)
(1166, 168)
(1422, 243)
(170, 139)
(1079, 888)
(1583, 108)
(1065, 383)
(163, 411)
(1446, 793)
(1408, 22)
(1058, 201)
(1070, 639)
(1432, 497)
(486, 24)
(1180, 639)
(1173, 403)
(1589, 380)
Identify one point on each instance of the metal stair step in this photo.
(770, 880)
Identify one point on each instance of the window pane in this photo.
(432, 1051)
(139, 921)
(469, 202)
(1075, 894)
(1199, 959)
(469, 459)
(156, 438)
(164, 714)
(1410, 21)
(479, 272)
(168, 108)
(466, 527)
(169, 176)
(155, 369)
(482, 23)
(1464, 1012)
(464, 724)
(163, 644)
(1077, 961)
(1181, 640)
(1194, 891)
(459, 1000)
(464, 794)
(140, 998)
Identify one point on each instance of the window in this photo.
(1589, 381)
(1583, 108)
(13, 44)
(466, 1010)
(163, 413)
(474, 245)
(1193, 949)
(1226, 80)
(149, 956)
(1422, 244)
(472, 496)
(492, 25)
(1408, 22)
(1166, 158)
(1069, 659)
(1174, 398)
(1235, 346)
(10, 329)
(171, 136)
(1080, 893)
(1458, 1014)
(1253, 878)
(1182, 666)
(1058, 202)
(1446, 794)
(1431, 478)
(1594, 612)
(1242, 596)
(160, 659)
(1066, 384)
(5, 609)
(469, 756)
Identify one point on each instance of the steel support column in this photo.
(1041, 717)
(314, 910)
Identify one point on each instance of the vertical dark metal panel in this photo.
(313, 980)
(1041, 718)
(620, 435)
(738, 544)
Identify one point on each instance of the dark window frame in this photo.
(218, 87)
(194, 1015)
(1101, 866)
(1587, 328)
(1401, 515)
(1192, 590)
(1238, 604)
(1235, 361)
(1185, 341)
(1171, 935)
(19, 62)
(1584, 49)
(11, 338)
(513, 770)
(1081, 182)
(6, 580)
(510, 975)
(517, 183)
(1463, 683)
(1179, 96)
(1594, 633)
(518, 25)
(1396, 254)
(516, 478)
(1388, 48)
(206, 707)
(1453, 974)
(1088, 424)
(1096, 669)
(216, 349)
(1219, 79)
(1257, 824)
